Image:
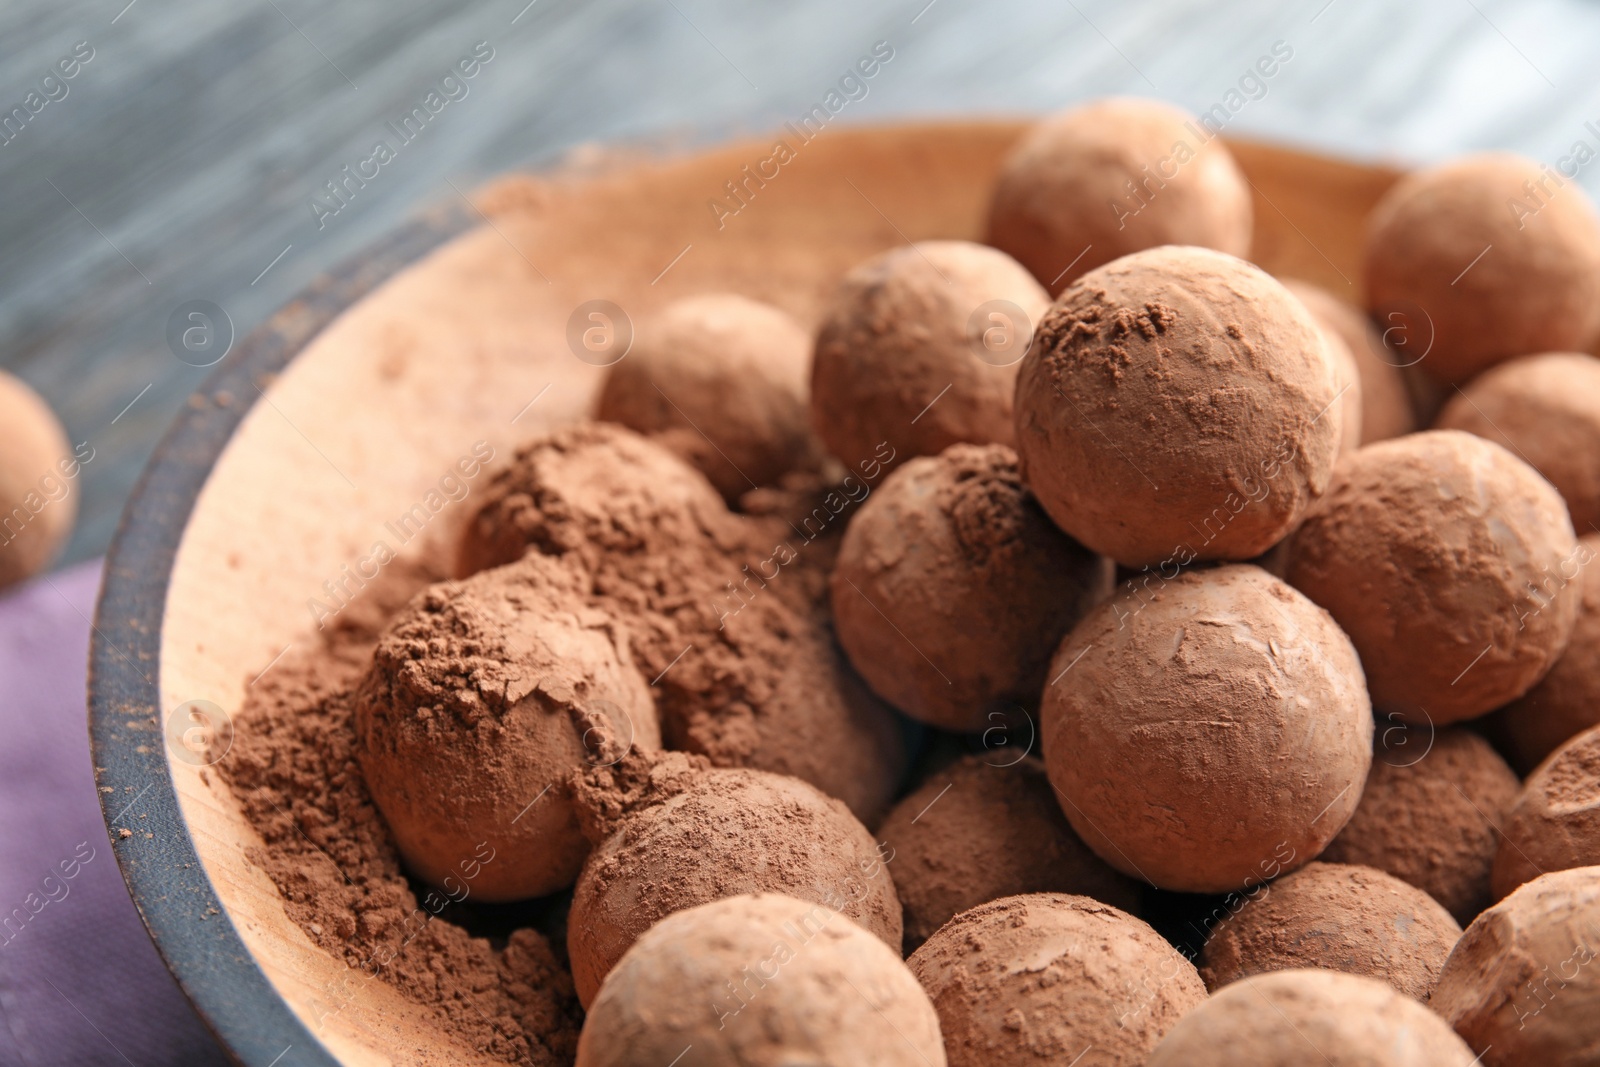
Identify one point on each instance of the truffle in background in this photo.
(1483, 259)
(1555, 822)
(1387, 409)
(985, 828)
(721, 381)
(38, 500)
(953, 588)
(1088, 185)
(1042, 977)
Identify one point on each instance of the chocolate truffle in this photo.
(1555, 822)
(1047, 976)
(1567, 700)
(1545, 409)
(483, 697)
(1483, 260)
(1294, 1018)
(1442, 556)
(1177, 404)
(1112, 177)
(1522, 986)
(729, 832)
(984, 828)
(1430, 814)
(1339, 917)
(760, 979)
(720, 380)
(37, 498)
(919, 349)
(1206, 729)
(1386, 407)
(953, 588)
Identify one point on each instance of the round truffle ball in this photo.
(1555, 822)
(720, 380)
(1088, 185)
(1043, 977)
(952, 587)
(1339, 917)
(919, 349)
(1294, 1018)
(983, 828)
(1545, 409)
(1441, 555)
(482, 699)
(1522, 986)
(1178, 404)
(1567, 700)
(34, 460)
(732, 831)
(1386, 406)
(760, 979)
(1206, 730)
(1482, 261)
(1430, 814)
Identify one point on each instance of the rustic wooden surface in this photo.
(184, 158)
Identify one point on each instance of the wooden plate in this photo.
(349, 405)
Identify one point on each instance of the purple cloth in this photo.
(80, 981)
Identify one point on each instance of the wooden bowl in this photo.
(350, 403)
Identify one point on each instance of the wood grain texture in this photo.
(186, 154)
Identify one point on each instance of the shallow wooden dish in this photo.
(348, 406)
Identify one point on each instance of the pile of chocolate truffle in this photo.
(1078, 650)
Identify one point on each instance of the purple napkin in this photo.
(80, 981)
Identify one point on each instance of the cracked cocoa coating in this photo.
(897, 359)
(720, 380)
(1555, 822)
(1051, 203)
(1339, 917)
(483, 697)
(1441, 555)
(1523, 986)
(1298, 1017)
(1177, 404)
(1386, 406)
(725, 832)
(1477, 280)
(1431, 814)
(985, 828)
(1546, 410)
(1208, 732)
(1039, 978)
(953, 588)
(1567, 700)
(760, 979)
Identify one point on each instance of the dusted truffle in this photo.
(1555, 822)
(760, 979)
(953, 588)
(1386, 406)
(984, 828)
(1482, 260)
(1202, 729)
(1545, 409)
(1046, 976)
(1522, 986)
(919, 350)
(1295, 1018)
(720, 380)
(1339, 917)
(729, 832)
(1567, 700)
(1444, 558)
(483, 698)
(1112, 177)
(37, 465)
(1177, 404)
(1430, 814)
